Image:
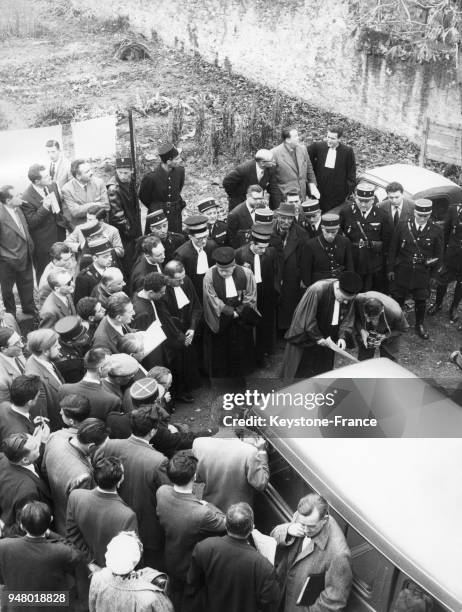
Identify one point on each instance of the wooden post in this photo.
(423, 146)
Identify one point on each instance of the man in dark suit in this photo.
(398, 207)
(228, 574)
(196, 253)
(145, 471)
(288, 239)
(19, 415)
(185, 519)
(44, 347)
(38, 561)
(334, 165)
(59, 303)
(16, 250)
(41, 208)
(115, 323)
(150, 260)
(94, 517)
(20, 481)
(12, 362)
(241, 218)
(259, 171)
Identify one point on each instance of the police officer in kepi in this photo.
(218, 229)
(311, 222)
(75, 342)
(415, 252)
(328, 254)
(158, 226)
(451, 270)
(369, 231)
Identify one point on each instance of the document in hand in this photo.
(266, 545)
(153, 337)
(313, 587)
(54, 203)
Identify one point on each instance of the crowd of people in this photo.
(130, 321)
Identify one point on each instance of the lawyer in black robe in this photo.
(326, 310)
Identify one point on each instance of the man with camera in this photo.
(416, 250)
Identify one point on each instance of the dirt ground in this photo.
(64, 66)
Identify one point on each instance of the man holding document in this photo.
(313, 560)
(42, 210)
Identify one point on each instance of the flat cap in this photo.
(70, 328)
(121, 365)
(206, 204)
(350, 282)
(223, 256)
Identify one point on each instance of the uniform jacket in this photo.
(85, 281)
(239, 223)
(94, 518)
(187, 254)
(290, 175)
(54, 309)
(290, 271)
(161, 189)
(241, 177)
(321, 259)
(407, 211)
(7, 373)
(375, 229)
(231, 469)
(77, 199)
(145, 471)
(327, 554)
(48, 402)
(219, 232)
(334, 184)
(18, 485)
(229, 575)
(16, 248)
(45, 227)
(411, 253)
(186, 520)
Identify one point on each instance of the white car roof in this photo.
(413, 178)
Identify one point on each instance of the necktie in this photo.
(46, 191)
(19, 364)
(52, 170)
(57, 372)
(313, 227)
(396, 216)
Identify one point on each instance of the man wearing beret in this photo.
(369, 230)
(416, 250)
(162, 187)
(218, 230)
(327, 255)
(259, 171)
(230, 298)
(321, 323)
(125, 210)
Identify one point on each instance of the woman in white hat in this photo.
(119, 588)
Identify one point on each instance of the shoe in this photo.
(434, 309)
(186, 399)
(422, 332)
(453, 314)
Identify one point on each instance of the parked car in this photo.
(418, 183)
(395, 492)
